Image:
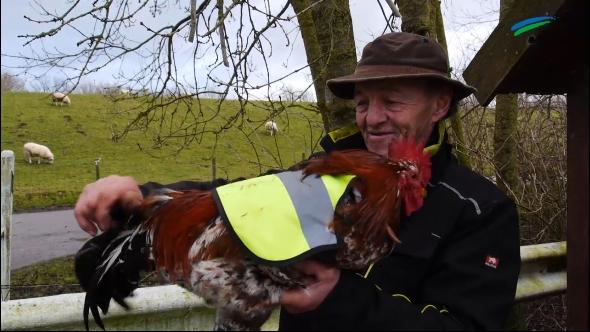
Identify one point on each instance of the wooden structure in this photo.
(7, 191)
(550, 58)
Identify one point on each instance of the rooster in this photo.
(183, 235)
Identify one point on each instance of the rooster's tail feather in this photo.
(111, 265)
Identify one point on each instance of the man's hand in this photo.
(96, 200)
(323, 279)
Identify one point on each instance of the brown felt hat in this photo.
(400, 55)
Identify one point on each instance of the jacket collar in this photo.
(351, 138)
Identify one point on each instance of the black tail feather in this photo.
(129, 258)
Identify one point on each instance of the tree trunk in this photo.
(328, 38)
(314, 54)
(505, 143)
(456, 123)
(505, 160)
(505, 133)
(416, 17)
(424, 17)
(507, 174)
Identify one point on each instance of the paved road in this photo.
(40, 236)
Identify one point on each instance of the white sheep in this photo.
(271, 127)
(61, 98)
(32, 150)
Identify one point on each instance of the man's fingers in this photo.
(84, 212)
(131, 199)
(102, 216)
(296, 300)
(294, 296)
(94, 205)
(309, 267)
(84, 221)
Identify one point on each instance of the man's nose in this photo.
(375, 114)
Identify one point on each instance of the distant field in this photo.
(80, 133)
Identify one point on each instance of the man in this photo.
(458, 261)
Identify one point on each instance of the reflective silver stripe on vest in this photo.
(314, 214)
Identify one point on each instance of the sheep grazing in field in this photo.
(271, 127)
(41, 152)
(61, 98)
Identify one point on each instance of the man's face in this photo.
(390, 109)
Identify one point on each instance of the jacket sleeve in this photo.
(458, 292)
(150, 187)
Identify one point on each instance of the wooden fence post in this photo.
(97, 167)
(7, 190)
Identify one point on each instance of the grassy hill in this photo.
(81, 133)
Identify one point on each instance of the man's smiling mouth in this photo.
(380, 134)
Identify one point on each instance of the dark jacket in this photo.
(443, 275)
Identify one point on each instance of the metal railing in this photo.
(543, 271)
(158, 308)
(174, 308)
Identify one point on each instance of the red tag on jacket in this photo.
(492, 261)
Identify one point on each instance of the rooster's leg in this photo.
(243, 295)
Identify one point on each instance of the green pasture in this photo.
(81, 133)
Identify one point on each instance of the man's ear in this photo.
(442, 104)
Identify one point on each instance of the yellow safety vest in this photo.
(282, 217)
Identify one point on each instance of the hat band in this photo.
(385, 71)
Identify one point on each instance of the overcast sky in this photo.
(467, 24)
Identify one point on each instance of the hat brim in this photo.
(343, 86)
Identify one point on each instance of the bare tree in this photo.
(12, 82)
(229, 44)
(291, 94)
(225, 42)
(87, 87)
(41, 84)
(61, 84)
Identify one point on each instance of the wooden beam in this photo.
(577, 202)
(502, 51)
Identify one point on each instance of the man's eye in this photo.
(361, 106)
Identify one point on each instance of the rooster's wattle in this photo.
(183, 235)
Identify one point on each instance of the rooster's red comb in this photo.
(406, 149)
